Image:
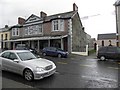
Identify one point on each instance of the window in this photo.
(33, 30)
(58, 25)
(5, 55)
(55, 27)
(12, 56)
(5, 36)
(102, 43)
(15, 32)
(1, 37)
(26, 56)
(26, 31)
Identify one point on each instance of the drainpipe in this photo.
(49, 43)
(61, 43)
(38, 45)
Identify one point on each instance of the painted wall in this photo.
(106, 42)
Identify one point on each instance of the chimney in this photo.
(6, 26)
(75, 7)
(43, 14)
(21, 21)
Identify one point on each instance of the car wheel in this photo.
(44, 54)
(59, 55)
(28, 75)
(102, 58)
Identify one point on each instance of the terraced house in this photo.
(117, 12)
(63, 30)
(4, 35)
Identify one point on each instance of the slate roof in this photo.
(60, 15)
(106, 36)
(4, 29)
(64, 15)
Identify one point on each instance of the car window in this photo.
(60, 49)
(52, 48)
(5, 55)
(12, 56)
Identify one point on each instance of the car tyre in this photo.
(102, 58)
(28, 75)
(44, 54)
(59, 55)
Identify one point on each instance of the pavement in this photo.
(13, 84)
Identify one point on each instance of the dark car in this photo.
(53, 51)
(109, 52)
(24, 47)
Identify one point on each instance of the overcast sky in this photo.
(101, 17)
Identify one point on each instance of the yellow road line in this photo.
(113, 67)
(62, 62)
(87, 65)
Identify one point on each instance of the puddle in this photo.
(100, 82)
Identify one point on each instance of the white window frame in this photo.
(58, 25)
(15, 32)
(34, 29)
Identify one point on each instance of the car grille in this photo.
(48, 67)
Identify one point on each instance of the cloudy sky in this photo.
(97, 15)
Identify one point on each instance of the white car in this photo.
(26, 64)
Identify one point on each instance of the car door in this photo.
(9, 64)
(53, 51)
(111, 52)
(5, 58)
(14, 66)
(118, 53)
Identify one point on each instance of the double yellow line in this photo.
(62, 63)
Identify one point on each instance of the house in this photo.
(106, 39)
(63, 30)
(4, 35)
(117, 12)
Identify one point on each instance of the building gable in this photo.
(32, 18)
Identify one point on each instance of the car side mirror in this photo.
(16, 60)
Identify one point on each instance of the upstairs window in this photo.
(15, 32)
(58, 25)
(5, 36)
(33, 30)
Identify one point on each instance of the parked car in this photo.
(53, 51)
(25, 63)
(108, 52)
(24, 47)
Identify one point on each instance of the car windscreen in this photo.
(26, 56)
(60, 49)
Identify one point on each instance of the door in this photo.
(111, 53)
(14, 66)
(52, 51)
(5, 58)
(9, 64)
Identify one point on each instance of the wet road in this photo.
(75, 72)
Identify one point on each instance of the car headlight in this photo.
(39, 69)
